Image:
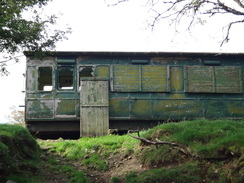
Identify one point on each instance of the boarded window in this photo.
(130, 78)
(126, 78)
(66, 78)
(154, 78)
(213, 79)
(45, 79)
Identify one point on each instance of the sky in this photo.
(99, 27)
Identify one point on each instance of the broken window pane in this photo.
(85, 71)
(45, 79)
(66, 78)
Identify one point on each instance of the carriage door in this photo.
(94, 117)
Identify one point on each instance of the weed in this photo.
(115, 180)
(131, 177)
(79, 177)
(96, 163)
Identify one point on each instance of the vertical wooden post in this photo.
(94, 103)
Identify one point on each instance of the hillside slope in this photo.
(192, 151)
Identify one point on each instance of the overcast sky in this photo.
(97, 27)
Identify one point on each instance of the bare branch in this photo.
(194, 11)
(115, 4)
(228, 9)
(11, 58)
(239, 3)
(183, 149)
(229, 26)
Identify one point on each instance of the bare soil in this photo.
(119, 166)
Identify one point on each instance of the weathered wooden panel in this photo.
(234, 108)
(141, 109)
(176, 79)
(228, 79)
(134, 78)
(154, 78)
(177, 109)
(200, 79)
(94, 121)
(214, 79)
(31, 79)
(65, 108)
(39, 109)
(94, 116)
(94, 93)
(102, 72)
(214, 108)
(126, 78)
(119, 108)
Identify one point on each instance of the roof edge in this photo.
(139, 54)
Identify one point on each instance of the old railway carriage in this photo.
(91, 92)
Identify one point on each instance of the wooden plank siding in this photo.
(213, 79)
(94, 117)
(137, 78)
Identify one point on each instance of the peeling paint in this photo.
(164, 88)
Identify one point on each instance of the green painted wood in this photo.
(214, 79)
(200, 79)
(228, 79)
(126, 78)
(94, 117)
(137, 78)
(154, 78)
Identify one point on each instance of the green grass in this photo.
(92, 152)
(184, 174)
(205, 138)
(104, 146)
(76, 176)
(95, 162)
(217, 146)
(19, 153)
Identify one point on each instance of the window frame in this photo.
(38, 76)
(58, 77)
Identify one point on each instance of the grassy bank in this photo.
(19, 154)
(210, 151)
(207, 151)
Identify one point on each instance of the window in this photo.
(65, 78)
(84, 72)
(214, 79)
(45, 79)
(131, 78)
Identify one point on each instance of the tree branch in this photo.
(11, 58)
(183, 149)
(239, 3)
(229, 26)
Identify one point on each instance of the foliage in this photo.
(16, 116)
(19, 33)
(194, 11)
(18, 151)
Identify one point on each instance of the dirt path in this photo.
(51, 168)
